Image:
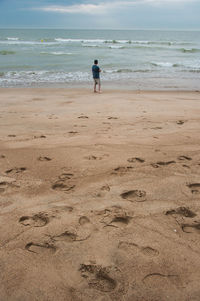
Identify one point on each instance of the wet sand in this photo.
(99, 195)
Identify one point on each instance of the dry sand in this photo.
(99, 195)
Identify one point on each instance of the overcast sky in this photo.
(101, 14)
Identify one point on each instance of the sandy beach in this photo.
(99, 195)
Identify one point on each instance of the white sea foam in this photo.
(12, 39)
(116, 47)
(162, 64)
(43, 76)
(79, 40)
(17, 42)
(90, 45)
(56, 53)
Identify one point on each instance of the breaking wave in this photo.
(190, 50)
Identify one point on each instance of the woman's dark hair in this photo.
(95, 62)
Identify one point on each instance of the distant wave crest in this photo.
(56, 53)
(12, 39)
(6, 52)
(190, 50)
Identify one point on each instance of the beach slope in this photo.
(99, 195)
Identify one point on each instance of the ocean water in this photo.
(129, 59)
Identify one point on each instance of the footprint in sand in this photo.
(92, 157)
(105, 188)
(44, 158)
(180, 122)
(132, 247)
(83, 117)
(2, 156)
(156, 280)
(58, 209)
(52, 116)
(98, 277)
(41, 248)
(194, 187)
(65, 176)
(15, 170)
(111, 117)
(186, 166)
(184, 158)
(191, 228)
(183, 211)
(134, 195)
(116, 220)
(132, 160)
(162, 163)
(84, 220)
(115, 216)
(64, 183)
(41, 136)
(61, 185)
(11, 135)
(72, 133)
(104, 279)
(7, 184)
(37, 220)
(81, 232)
(122, 170)
(85, 228)
(150, 252)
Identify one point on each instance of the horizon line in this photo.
(116, 29)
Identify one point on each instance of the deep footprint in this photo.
(84, 220)
(37, 220)
(115, 216)
(98, 277)
(148, 251)
(161, 163)
(122, 169)
(15, 170)
(195, 188)
(191, 228)
(40, 248)
(112, 117)
(44, 158)
(181, 211)
(105, 188)
(180, 122)
(132, 160)
(62, 186)
(124, 219)
(134, 195)
(184, 158)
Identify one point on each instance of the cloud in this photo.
(77, 9)
(104, 7)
